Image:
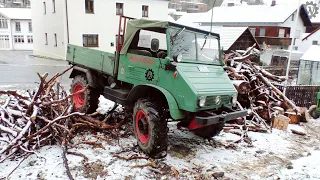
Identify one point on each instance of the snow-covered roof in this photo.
(310, 34)
(189, 19)
(249, 14)
(228, 35)
(16, 13)
(312, 54)
(170, 19)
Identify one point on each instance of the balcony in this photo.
(274, 41)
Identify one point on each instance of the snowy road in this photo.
(18, 70)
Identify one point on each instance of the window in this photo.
(30, 39)
(262, 32)
(18, 27)
(44, 8)
(89, 6)
(18, 39)
(90, 40)
(3, 23)
(281, 32)
(54, 6)
(314, 42)
(30, 27)
(253, 31)
(46, 38)
(119, 8)
(55, 40)
(145, 11)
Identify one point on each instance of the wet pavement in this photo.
(18, 70)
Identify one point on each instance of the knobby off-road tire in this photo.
(313, 111)
(209, 131)
(86, 102)
(150, 128)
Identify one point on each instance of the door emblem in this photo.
(149, 75)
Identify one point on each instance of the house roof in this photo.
(228, 35)
(312, 54)
(16, 13)
(170, 19)
(189, 19)
(310, 34)
(253, 14)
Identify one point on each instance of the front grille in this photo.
(210, 100)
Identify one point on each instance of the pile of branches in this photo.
(41, 117)
(257, 90)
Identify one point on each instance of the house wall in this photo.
(104, 21)
(6, 44)
(300, 29)
(24, 32)
(304, 45)
(49, 23)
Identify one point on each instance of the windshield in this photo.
(193, 46)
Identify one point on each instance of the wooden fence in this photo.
(303, 96)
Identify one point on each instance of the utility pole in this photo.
(292, 40)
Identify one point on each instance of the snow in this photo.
(312, 54)
(270, 156)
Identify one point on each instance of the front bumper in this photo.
(221, 118)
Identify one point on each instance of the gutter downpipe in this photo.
(292, 40)
(67, 19)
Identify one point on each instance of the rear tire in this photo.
(313, 112)
(150, 128)
(86, 102)
(209, 131)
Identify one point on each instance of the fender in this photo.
(175, 112)
(78, 70)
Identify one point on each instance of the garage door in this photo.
(4, 42)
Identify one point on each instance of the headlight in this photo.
(234, 99)
(202, 101)
(218, 100)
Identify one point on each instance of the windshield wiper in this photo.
(204, 43)
(177, 34)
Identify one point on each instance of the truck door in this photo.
(140, 65)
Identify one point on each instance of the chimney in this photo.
(230, 4)
(273, 3)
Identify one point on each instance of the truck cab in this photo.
(160, 71)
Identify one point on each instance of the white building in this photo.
(15, 29)
(88, 23)
(309, 39)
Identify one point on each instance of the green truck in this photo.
(160, 71)
(314, 110)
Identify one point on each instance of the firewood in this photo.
(280, 122)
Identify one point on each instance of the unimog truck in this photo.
(160, 71)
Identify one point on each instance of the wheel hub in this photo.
(143, 126)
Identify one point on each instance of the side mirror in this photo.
(154, 45)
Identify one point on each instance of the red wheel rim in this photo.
(78, 99)
(142, 127)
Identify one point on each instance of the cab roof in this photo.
(134, 25)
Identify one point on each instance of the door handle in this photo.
(131, 67)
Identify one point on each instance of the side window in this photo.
(141, 44)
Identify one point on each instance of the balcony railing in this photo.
(274, 41)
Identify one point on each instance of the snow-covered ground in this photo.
(272, 155)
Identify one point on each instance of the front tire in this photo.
(150, 128)
(313, 111)
(86, 102)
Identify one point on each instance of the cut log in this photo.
(280, 122)
(294, 118)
